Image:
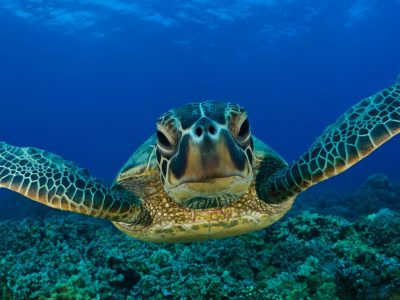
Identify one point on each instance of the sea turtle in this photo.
(202, 175)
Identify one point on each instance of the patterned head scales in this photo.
(205, 153)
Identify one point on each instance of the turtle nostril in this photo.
(207, 129)
(211, 130)
(199, 131)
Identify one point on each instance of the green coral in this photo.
(308, 256)
(377, 192)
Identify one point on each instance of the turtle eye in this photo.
(163, 140)
(244, 129)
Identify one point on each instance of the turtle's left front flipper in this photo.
(52, 181)
(358, 132)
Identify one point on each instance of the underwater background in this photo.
(88, 79)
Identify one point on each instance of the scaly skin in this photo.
(357, 133)
(52, 181)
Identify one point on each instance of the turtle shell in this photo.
(140, 173)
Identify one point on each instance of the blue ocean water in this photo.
(88, 79)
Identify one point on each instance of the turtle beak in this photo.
(208, 154)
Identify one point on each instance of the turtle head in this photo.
(205, 154)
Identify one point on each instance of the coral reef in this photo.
(306, 256)
(376, 193)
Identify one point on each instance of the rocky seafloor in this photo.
(330, 246)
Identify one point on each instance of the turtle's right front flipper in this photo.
(52, 181)
(356, 134)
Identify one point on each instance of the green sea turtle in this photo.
(202, 175)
